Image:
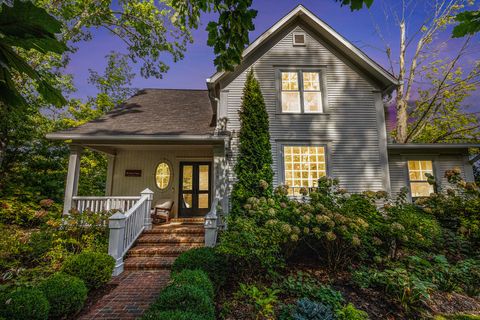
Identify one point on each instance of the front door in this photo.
(195, 189)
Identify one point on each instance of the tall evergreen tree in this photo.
(254, 164)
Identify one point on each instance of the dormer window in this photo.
(301, 92)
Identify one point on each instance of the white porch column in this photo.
(71, 186)
(220, 176)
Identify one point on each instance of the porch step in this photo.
(172, 229)
(148, 263)
(177, 239)
(162, 250)
(188, 220)
(157, 249)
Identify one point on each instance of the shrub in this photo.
(468, 275)
(94, 268)
(457, 208)
(303, 285)
(184, 298)
(196, 278)
(400, 284)
(349, 312)
(263, 301)
(25, 303)
(307, 309)
(66, 294)
(172, 315)
(205, 259)
(408, 226)
(25, 211)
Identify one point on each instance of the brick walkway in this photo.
(136, 290)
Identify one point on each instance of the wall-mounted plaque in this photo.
(133, 173)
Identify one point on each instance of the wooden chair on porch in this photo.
(162, 210)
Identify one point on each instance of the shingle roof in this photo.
(154, 112)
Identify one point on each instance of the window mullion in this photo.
(300, 83)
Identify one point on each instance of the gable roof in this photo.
(149, 113)
(385, 78)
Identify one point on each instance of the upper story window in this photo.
(417, 173)
(301, 92)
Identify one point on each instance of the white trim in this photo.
(299, 44)
(301, 10)
(432, 146)
(139, 137)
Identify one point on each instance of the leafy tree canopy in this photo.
(25, 26)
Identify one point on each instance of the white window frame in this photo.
(300, 70)
(299, 44)
(281, 156)
(409, 181)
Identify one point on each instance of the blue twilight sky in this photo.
(358, 27)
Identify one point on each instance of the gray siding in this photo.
(441, 163)
(350, 127)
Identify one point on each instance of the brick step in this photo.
(175, 230)
(188, 220)
(162, 250)
(155, 239)
(148, 263)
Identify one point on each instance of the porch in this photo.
(191, 176)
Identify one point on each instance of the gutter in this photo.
(434, 146)
(139, 138)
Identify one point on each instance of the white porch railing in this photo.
(213, 222)
(126, 227)
(98, 204)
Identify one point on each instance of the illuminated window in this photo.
(163, 175)
(301, 92)
(417, 170)
(303, 166)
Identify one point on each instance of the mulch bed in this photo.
(452, 303)
(374, 302)
(93, 297)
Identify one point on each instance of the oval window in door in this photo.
(163, 175)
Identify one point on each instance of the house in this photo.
(324, 99)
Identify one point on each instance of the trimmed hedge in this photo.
(24, 303)
(206, 259)
(197, 278)
(185, 298)
(94, 268)
(172, 315)
(66, 294)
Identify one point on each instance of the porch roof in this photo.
(150, 113)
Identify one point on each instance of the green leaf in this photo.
(469, 24)
(26, 26)
(30, 27)
(356, 4)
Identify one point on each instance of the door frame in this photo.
(194, 211)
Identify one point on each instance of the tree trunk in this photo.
(402, 116)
